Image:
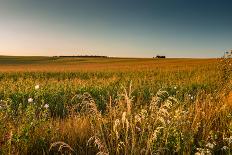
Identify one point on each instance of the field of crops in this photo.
(115, 106)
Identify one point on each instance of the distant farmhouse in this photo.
(228, 54)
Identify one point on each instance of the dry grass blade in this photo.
(61, 146)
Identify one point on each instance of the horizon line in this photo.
(96, 56)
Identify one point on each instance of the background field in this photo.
(56, 64)
(99, 101)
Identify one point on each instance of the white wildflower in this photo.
(36, 87)
(30, 100)
(46, 106)
(175, 87)
(225, 148)
(210, 145)
(191, 97)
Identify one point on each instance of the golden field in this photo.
(52, 105)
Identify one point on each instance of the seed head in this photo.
(123, 118)
(115, 127)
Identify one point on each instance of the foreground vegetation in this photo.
(115, 106)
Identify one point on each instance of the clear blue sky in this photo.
(127, 28)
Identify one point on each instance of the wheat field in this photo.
(52, 105)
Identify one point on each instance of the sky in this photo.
(122, 28)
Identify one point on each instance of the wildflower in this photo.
(30, 100)
(210, 145)
(191, 97)
(175, 87)
(36, 87)
(46, 106)
(225, 148)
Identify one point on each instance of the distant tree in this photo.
(160, 56)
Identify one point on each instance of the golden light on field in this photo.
(98, 104)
